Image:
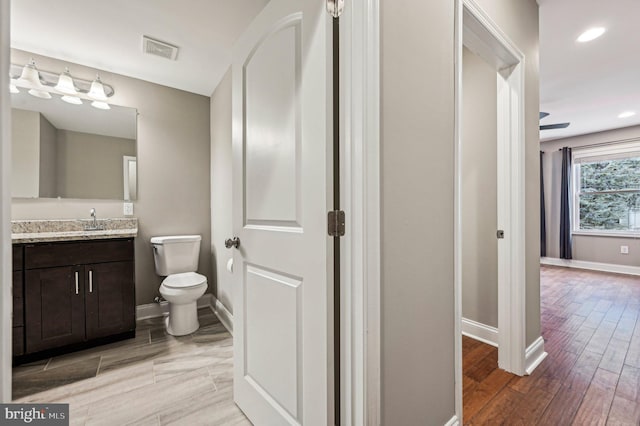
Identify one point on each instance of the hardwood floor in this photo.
(592, 373)
(153, 379)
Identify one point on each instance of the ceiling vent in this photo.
(159, 48)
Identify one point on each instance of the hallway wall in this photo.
(417, 200)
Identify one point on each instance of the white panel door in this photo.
(281, 147)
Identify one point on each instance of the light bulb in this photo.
(100, 105)
(72, 100)
(591, 34)
(40, 94)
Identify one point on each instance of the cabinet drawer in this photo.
(18, 299)
(49, 255)
(18, 341)
(17, 257)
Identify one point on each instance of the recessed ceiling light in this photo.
(591, 34)
(627, 114)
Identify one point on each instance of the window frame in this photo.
(626, 149)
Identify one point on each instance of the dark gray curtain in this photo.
(565, 205)
(543, 219)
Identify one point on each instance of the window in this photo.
(606, 187)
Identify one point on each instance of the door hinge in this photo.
(335, 7)
(336, 223)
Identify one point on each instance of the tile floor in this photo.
(152, 379)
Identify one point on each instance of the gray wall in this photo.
(5, 212)
(519, 20)
(585, 247)
(221, 191)
(221, 195)
(417, 194)
(91, 165)
(174, 193)
(25, 137)
(48, 158)
(479, 191)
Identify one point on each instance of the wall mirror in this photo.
(62, 150)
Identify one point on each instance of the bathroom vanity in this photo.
(72, 288)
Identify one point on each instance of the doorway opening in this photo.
(481, 36)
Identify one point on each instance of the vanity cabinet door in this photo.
(109, 296)
(54, 307)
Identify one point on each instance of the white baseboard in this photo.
(593, 266)
(479, 331)
(534, 355)
(223, 314)
(453, 421)
(154, 310)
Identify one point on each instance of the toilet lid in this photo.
(184, 280)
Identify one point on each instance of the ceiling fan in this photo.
(552, 126)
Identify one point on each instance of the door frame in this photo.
(360, 192)
(360, 42)
(6, 301)
(477, 31)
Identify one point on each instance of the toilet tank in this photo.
(176, 254)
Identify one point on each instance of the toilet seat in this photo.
(184, 280)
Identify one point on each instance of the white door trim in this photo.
(6, 301)
(360, 189)
(477, 31)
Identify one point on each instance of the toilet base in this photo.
(182, 319)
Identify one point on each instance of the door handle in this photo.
(90, 281)
(77, 287)
(235, 242)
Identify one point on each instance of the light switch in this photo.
(127, 209)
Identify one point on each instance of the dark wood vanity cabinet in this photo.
(18, 301)
(77, 292)
(55, 313)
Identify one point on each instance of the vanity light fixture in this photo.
(66, 85)
(72, 90)
(30, 77)
(591, 34)
(97, 90)
(97, 94)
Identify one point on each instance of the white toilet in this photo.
(176, 257)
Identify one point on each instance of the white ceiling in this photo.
(108, 35)
(586, 84)
(589, 84)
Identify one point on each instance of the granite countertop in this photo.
(36, 231)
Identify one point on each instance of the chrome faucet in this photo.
(94, 225)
